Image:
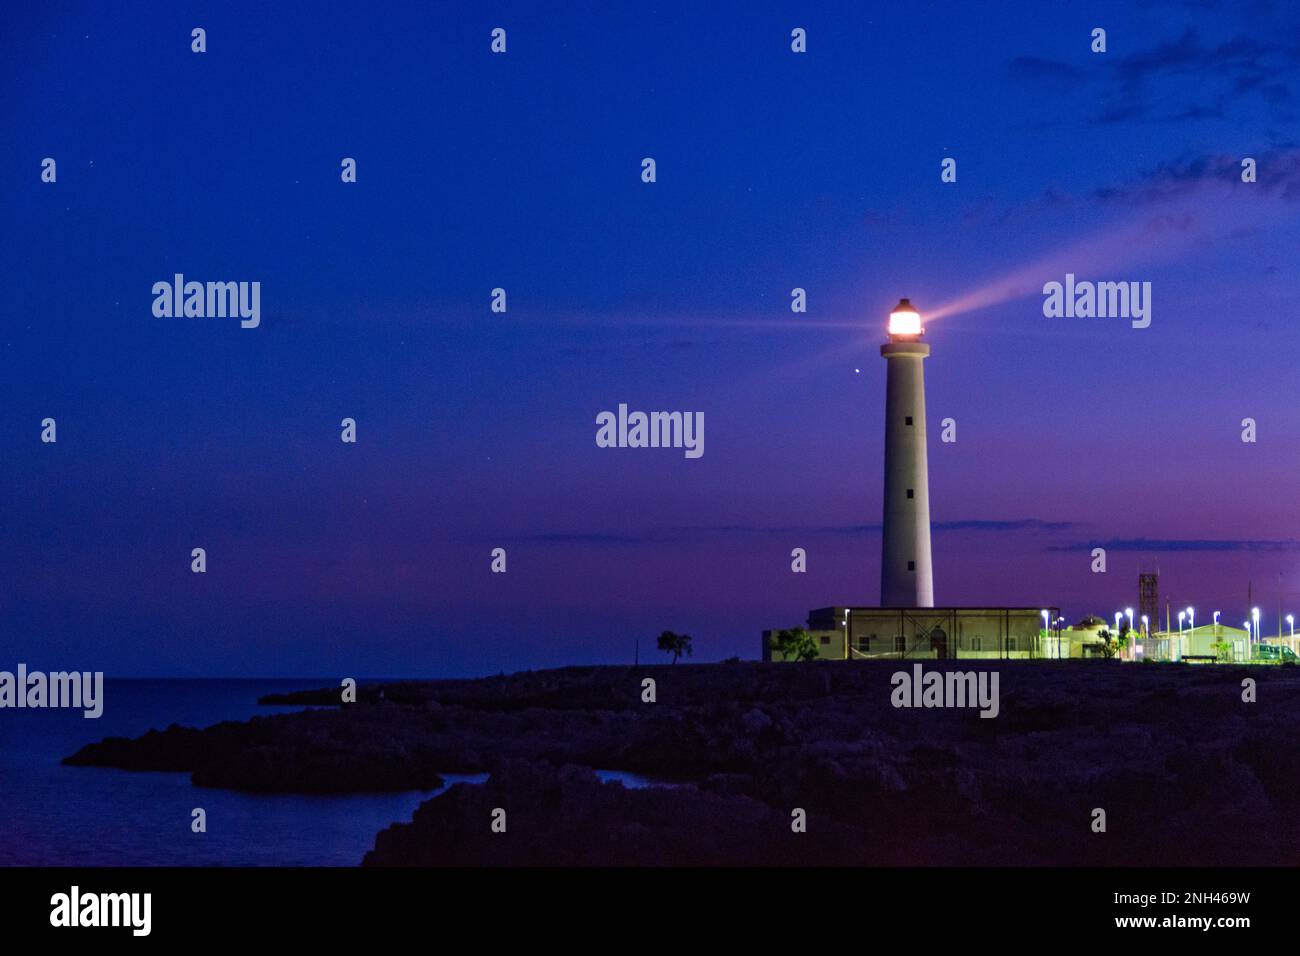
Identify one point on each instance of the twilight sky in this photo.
(477, 430)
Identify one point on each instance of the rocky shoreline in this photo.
(1186, 772)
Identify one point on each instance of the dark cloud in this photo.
(1198, 113)
(652, 536)
(1278, 172)
(1040, 68)
(1185, 544)
(1022, 524)
(565, 537)
(1186, 54)
(1137, 87)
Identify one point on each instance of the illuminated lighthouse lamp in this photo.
(904, 320)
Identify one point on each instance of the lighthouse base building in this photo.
(931, 633)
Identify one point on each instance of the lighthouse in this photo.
(906, 575)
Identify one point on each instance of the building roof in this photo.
(1206, 630)
(1037, 609)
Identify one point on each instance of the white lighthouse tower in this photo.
(906, 575)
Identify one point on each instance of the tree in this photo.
(675, 644)
(795, 644)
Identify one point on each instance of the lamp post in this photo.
(1254, 616)
(1246, 625)
(1046, 630)
(1290, 619)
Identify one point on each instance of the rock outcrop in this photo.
(1186, 772)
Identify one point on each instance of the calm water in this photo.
(90, 816)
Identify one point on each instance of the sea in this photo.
(53, 815)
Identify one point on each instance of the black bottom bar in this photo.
(615, 907)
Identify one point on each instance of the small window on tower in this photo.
(909, 492)
(908, 420)
(911, 565)
(825, 639)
